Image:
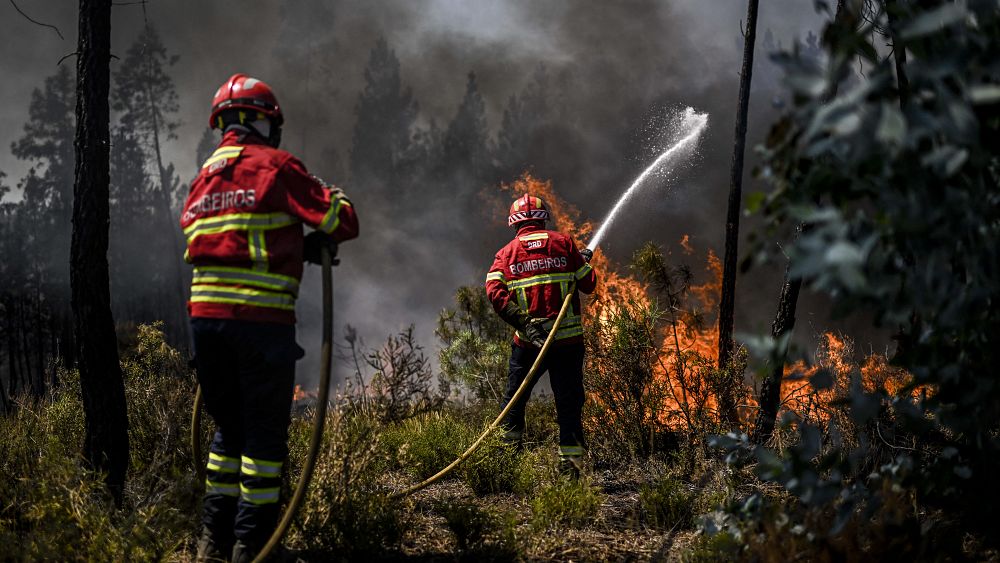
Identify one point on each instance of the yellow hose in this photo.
(198, 460)
(517, 396)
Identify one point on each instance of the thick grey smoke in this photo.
(614, 67)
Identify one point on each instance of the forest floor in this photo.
(614, 533)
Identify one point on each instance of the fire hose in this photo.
(317, 431)
(503, 413)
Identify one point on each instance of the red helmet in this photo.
(241, 91)
(527, 208)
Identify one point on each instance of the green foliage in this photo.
(159, 391)
(565, 502)
(711, 548)
(480, 534)
(895, 187)
(428, 442)
(475, 345)
(345, 512)
(496, 467)
(628, 398)
(56, 509)
(667, 503)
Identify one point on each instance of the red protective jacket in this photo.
(536, 269)
(243, 222)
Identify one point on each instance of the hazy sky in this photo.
(615, 62)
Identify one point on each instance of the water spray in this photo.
(692, 125)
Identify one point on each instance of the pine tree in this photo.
(102, 388)
(304, 36)
(136, 278)
(522, 126)
(146, 100)
(48, 188)
(465, 149)
(727, 303)
(382, 142)
(40, 225)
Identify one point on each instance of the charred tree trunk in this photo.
(106, 420)
(898, 51)
(784, 322)
(727, 403)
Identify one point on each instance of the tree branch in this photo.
(36, 22)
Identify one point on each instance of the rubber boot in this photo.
(514, 439)
(243, 553)
(210, 549)
(570, 466)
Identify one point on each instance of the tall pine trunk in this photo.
(168, 215)
(106, 445)
(727, 402)
(784, 322)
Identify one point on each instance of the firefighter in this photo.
(243, 222)
(527, 284)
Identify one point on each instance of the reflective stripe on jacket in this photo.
(536, 269)
(243, 223)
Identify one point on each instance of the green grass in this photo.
(564, 503)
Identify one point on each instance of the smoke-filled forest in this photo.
(786, 214)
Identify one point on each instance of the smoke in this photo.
(611, 67)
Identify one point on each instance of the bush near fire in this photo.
(883, 194)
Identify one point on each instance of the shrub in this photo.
(400, 384)
(345, 513)
(476, 345)
(54, 508)
(480, 534)
(710, 548)
(496, 467)
(627, 396)
(564, 503)
(426, 443)
(667, 503)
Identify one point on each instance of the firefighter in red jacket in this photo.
(243, 222)
(526, 284)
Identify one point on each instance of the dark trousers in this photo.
(565, 366)
(247, 374)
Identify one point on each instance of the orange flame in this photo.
(302, 395)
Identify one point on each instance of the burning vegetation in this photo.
(677, 307)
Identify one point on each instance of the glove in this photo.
(538, 330)
(337, 193)
(314, 243)
(515, 316)
(587, 254)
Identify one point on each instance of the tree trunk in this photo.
(784, 322)
(180, 310)
(38, 378)
(106, 420)
(25, 347)
(898, 52)
(12, 371)
(727, 402)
